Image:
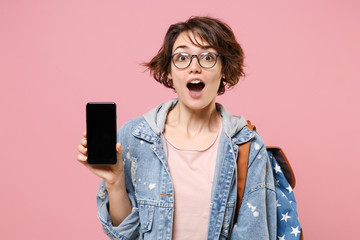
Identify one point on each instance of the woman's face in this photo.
(195, 86)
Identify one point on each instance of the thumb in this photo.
(119, 150)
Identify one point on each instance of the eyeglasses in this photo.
(206, 59)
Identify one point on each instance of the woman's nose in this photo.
(194, 65)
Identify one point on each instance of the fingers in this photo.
(83, 142)
(82, 148)
(82, 158)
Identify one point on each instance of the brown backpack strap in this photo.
(242, 166)
(284, 163)
(302, 235)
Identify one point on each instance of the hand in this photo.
(119, 202)
(112, 174)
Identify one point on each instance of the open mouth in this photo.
(195, 86)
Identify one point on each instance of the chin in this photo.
(199, 104)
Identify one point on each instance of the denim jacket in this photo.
(151, 191)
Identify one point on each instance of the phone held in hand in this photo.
(101, 132)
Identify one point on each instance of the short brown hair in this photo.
(215, 32)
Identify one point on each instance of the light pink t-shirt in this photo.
(192, 174)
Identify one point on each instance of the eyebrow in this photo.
(181, 46)
(186, 47)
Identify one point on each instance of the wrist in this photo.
(117, 183)
(116, 189)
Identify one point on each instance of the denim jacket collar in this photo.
(156, 118)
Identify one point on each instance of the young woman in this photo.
(176, 172)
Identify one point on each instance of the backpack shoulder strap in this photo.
(284, 164)
(242, 166)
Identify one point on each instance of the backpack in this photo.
(288, 225)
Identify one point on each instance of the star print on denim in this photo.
(289, 189)
(288, 221)
(295, 231)
(285, 217)
(277, 168)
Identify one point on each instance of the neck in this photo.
(194, 121)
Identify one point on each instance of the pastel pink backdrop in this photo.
(302, 92)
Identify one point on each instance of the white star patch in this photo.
(295, 231)
(285, 217)
(277, 168)
(289, 189)
(281, 238)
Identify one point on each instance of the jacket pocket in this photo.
(228, 220)
(146, 215)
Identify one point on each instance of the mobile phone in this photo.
(101, 132)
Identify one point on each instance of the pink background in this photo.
(302, 92)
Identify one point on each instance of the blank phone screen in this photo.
(101, 133)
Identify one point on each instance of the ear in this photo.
(169, 76)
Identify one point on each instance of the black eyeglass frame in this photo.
(197, 57)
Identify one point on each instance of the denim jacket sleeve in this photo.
(129, 228)
(257, 215)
